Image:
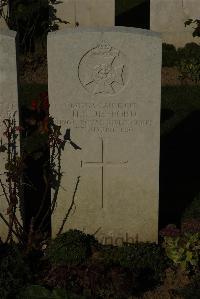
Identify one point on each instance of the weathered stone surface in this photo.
(8, 103)
(105, 85)
(91, 13)
(168, 17)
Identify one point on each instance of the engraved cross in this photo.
(102, 164)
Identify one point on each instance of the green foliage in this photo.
(189, 69)
(183, 250)
(40, 292)
(196, 31)
(71, 248)
(14, 273)
(139, 257)
(188, 51)
(169, 55)
(193, 211)
(186, 59)
(188, 62)
(32, 20)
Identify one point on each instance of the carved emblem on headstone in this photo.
(103, 70)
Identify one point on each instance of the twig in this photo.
(52, 207)
(70, 208)
(43, 198)
(4, 191)
(6, 222)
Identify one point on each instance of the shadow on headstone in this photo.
(138, 16)
(179, 169)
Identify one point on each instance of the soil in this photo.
(170, 76)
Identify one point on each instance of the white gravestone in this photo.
(105, 85)
(8, 104)
(86, 13)
(168, 18)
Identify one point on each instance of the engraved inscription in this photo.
(103, 70)
(104, 117)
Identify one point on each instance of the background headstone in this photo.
(168, 17)
(105, 85)
(8, 102)
(86, 12)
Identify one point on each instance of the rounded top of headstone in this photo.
(117, 29)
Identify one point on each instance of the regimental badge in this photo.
(103, 70)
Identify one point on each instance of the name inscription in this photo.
(104, 117)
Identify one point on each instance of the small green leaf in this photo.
(189, 256)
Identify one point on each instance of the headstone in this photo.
(105, 85)
(86, 13)
(8, 105)
(168, 17)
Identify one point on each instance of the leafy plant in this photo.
(190, 50)
(71, 248)
(188, 62)
(145, 259)
(196, 31)
(14, 273)
(40, 134)
(190, 225)
(186, 59)
(11, 185)
(169, 55)
(31, 19)
(189, 69)
(52, 171)
(43, 135)
(183, 249)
